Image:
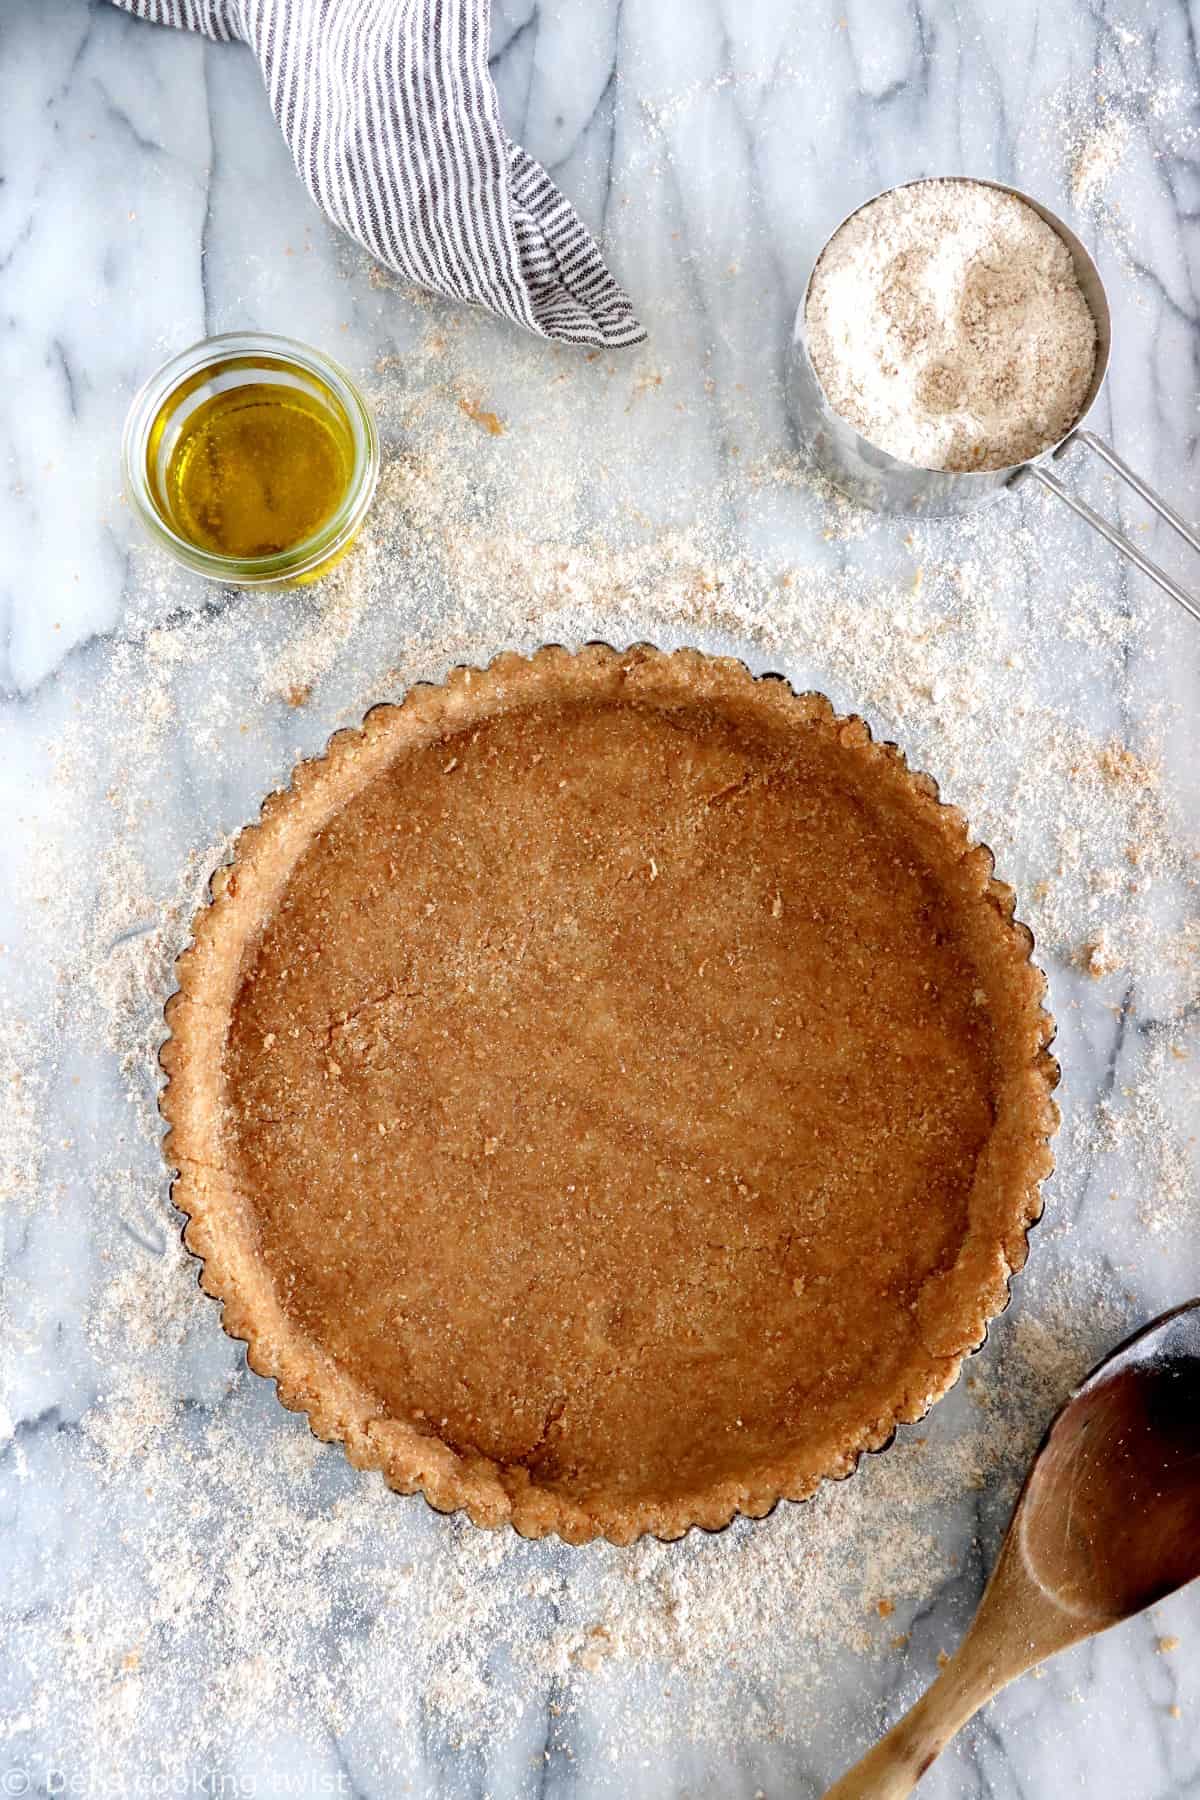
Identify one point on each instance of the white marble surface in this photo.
(144, 201)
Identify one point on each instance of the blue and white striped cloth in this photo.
(392, 119)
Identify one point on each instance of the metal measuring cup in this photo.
(878, 480)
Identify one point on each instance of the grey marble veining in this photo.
(145, 200)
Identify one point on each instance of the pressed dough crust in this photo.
(609, 1092)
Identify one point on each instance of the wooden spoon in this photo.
(1108, 1522)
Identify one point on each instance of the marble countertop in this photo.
(197, 1599)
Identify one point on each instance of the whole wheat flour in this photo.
(946, 323)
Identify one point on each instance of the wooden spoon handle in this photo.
(896, 1764)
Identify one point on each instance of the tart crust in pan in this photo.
(608, 1092)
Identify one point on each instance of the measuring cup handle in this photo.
(1110, 533)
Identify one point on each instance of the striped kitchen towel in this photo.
(392, 118)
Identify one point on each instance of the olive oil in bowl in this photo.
(253, 458)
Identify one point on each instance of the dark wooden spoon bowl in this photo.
(1108, 1522)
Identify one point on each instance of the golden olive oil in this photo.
(257, 469)
(252, 458)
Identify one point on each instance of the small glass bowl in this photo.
(236, 358)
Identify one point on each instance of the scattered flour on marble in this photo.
(1097, 157)
(1098, 124)
(1148, 1119)
(24, 1104)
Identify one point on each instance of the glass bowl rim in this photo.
(300, 558)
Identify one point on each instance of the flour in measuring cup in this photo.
(946, 324)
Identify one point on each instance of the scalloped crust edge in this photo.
(219, 1225)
